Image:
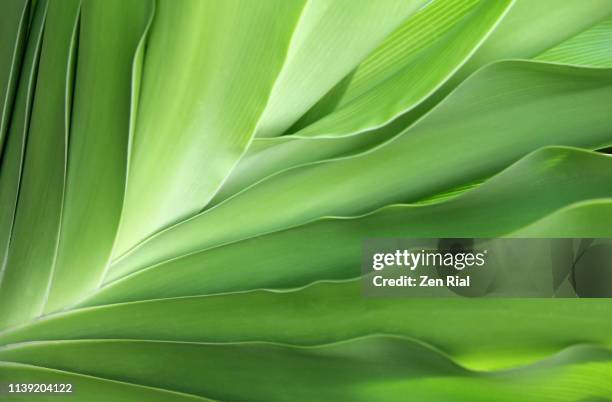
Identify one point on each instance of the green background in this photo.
(185, 186)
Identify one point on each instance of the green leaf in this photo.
(350, 30)
(519, 37)
(592, 47)
(404, 70)
(409, 66)
(366, 369)
(152, 248)
(267, 156)
(11, 164)
(557, 177)
(31, 259)
(98, 144)
(211, 88)
(310, 316)
(13, 27)
(583, 219)
(508, 110)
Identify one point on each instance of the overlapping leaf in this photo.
(366, 369)
(98, 144)
(507, 110)
(401, 118)
(411, 43)
(592, 47)
(350, 30)
(13, 28)
(11, 164)
(558, 178)
(202, 94)
(407, 67)
(31, 259)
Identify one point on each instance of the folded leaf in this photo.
(415, 35)
(14, 20)
(152, 248)
(395, 79)
(350, 30)
(557, 178)
(367, 369)
(582, 219)
(508, 110)
(11, 164)
(98, 145)
(592, 47)
(37, 222)
(267, 156)
(403, 71)
(309, 316)
(203, 92)
(519, 37)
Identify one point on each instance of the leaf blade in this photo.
(495, 101)
(30, 260)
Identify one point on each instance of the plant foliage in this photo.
(185, 185)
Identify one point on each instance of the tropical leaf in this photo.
(101, 125)
(12, 33)
(518, 37)
(592, 47)
(30, 261)
(350, 30)
(499, 111)
(186, 186)
(340, 371)
(309, 316)
(391, 81)
(12, 161)
(205, 126)
(404, 61)
(582, 219)
(560, 179)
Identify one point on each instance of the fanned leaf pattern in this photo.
(185, 187)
